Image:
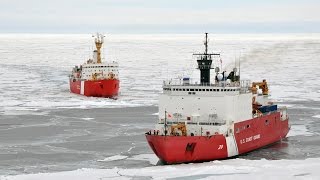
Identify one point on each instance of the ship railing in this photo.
(194, 123)
(190, 82)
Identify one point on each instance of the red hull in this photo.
(250, 135)
(179, 149)
(262, 131)
(101, 88)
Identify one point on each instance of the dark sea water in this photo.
(69, 139)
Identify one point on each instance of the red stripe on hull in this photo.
(100, 88)
(179, 149)
(259, 132)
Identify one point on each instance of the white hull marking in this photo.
(231, 146)
(82, 87)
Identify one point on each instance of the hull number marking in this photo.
(220, 147)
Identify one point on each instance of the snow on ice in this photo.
(226, 169)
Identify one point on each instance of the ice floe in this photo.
(113, 158)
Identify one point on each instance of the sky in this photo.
(160, 16)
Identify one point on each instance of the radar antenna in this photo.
(204, 61)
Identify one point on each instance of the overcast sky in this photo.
(161, 16)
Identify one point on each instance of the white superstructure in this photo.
(100, 71)
(209, 103)
(94, 68)
(205, 108)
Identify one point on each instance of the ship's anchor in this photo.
(190, 147)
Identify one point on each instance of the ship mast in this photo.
(99, 41)
(206, 43)
(204, 61)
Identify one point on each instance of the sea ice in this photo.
(113, 158)
(297, 130)
(240, 169)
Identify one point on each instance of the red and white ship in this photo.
(95, 78)
(214, 120)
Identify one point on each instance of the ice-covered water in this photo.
(34, 68)
(228, 169)
(44, 128)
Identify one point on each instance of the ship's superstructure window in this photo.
(200, 89)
